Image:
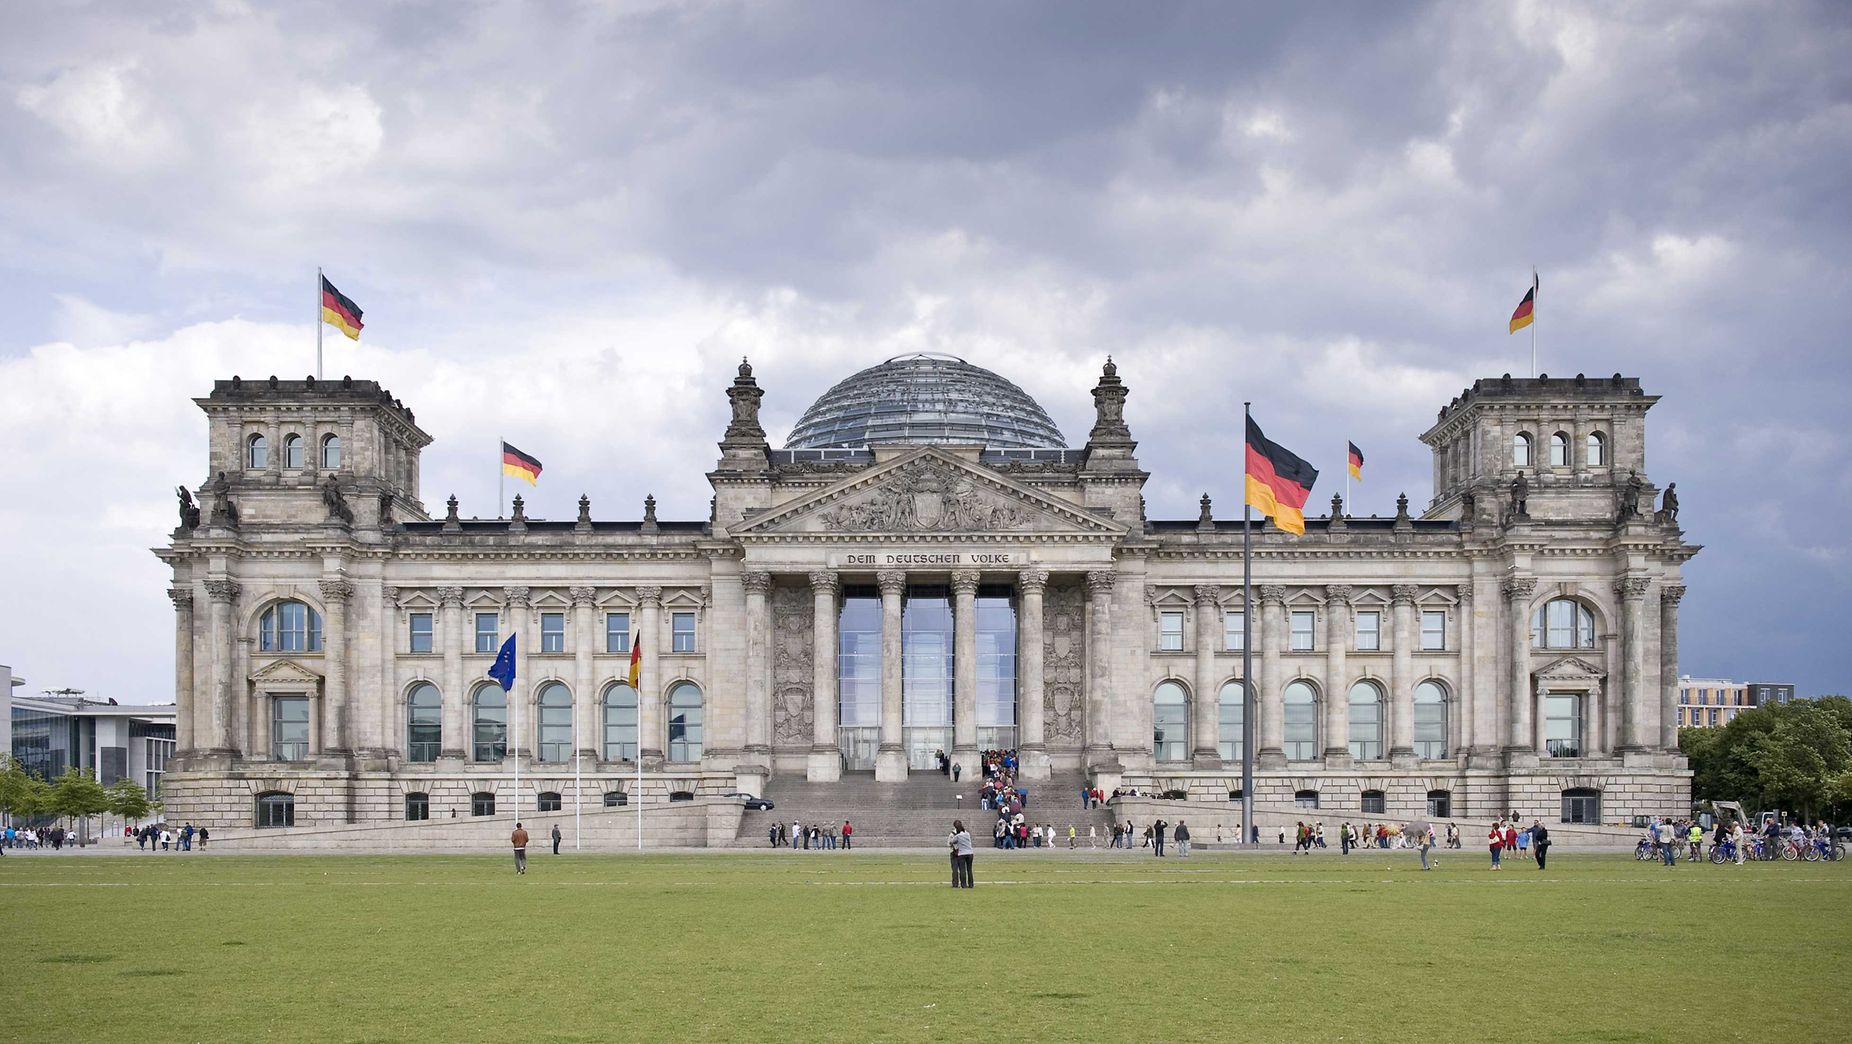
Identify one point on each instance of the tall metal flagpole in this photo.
(501, 477)
(1247, 640)
(577, 757)
(1534, 294)
(639, 794)
(318, 322)
(517, 750)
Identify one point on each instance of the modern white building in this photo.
(107, 740)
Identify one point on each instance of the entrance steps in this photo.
(917, 813)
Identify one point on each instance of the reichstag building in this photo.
(926, 565)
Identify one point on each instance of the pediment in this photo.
(285, 672)
(1570, 668)
(926, 493)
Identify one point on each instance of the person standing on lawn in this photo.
(1540, 841)
(1183, 840)
(519, 840)
(962, 855)
(1496, 841)
(555, 837)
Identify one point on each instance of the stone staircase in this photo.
(915, 814)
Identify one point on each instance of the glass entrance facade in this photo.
(996, 669)
(926, 673)
(858, 677)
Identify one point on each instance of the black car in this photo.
(753, 804)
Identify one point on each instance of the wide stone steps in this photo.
(916, 813)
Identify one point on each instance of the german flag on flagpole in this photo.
(1356, 462)
(1278, 482)
(1524, 315)
(636, 657)
(520, 465)
(339, 311)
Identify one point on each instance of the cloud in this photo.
(105, 112)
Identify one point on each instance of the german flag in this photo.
(520, 465)
(1277, 481)
(636, 657)
(1356, 462)
(1523, 317)
(339, 311)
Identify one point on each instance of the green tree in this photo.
(1793, 756)
(77, 796)
(127, 800)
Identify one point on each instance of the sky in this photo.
(568, 222)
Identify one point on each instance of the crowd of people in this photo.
(28, 838)
(822, 836)
(1667, 839)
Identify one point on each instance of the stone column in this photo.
(652, 734)
(455, 722)
(1632, 592)
(758, 586)
(1100, 585)
(1032, 748)
(1269, 688)
(825, 761)
(1669, 596)
(1522, 704)
(337, 728)
(1402, 675)
(1595, 738)
(218, 738)
(184, 698)
(1466, 690)
(585, 679)
(891, 759)
(1205, 717)
(964, 670)
(1339, 627)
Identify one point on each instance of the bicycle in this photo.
(1645, 850)
(1723, 852)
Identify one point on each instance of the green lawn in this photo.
(806, 946)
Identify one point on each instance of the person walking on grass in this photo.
(1424, 840)
(1183, 840)
(962, 855)
(519, 840)
(555, 836)
(1496, 841)
(1540, 842)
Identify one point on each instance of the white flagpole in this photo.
(501, 491)
(577, 757)
(318, 322)
(1533, 319)
(516, 745)
(1346, 477)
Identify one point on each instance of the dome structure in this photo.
(925, 397)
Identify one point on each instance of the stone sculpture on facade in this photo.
(1520, 497)
(925, 496)
(1668, 504)
(1630, 497)
(189, 511)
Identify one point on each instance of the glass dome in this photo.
(925, 397)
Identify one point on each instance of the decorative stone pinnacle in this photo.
(585, 510)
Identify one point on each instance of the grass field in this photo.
(831, 946)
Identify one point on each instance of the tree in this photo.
(1794, 756)
(128, 800)
(77, 796)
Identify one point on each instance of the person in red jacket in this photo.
(1496, 840)
(848, 832)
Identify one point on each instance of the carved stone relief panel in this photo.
(927, 496)
(791, 665)
(1064, 662)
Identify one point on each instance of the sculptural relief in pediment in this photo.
(926, 495)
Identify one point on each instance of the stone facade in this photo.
(1515, 642)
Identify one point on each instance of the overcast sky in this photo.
(567, 222)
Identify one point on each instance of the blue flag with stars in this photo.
(503, 671)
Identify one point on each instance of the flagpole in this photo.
(318, 322)
(639, 794)
(1247, 640)
(516, 700)
(501, 484)
(1533, 319)
(1346, 478)
(578, 756)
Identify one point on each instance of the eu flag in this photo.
(503, 671)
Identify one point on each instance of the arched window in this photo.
(1430, 720)
(289, 627)
(331, 452)
(1520, 450)
(1305, 799)
(276, 809)
(615, 799)
(482, 803)
(1562, 623)
(257, 453)
(1440, 803)
(1170, 722)
(424, 723)
(548, 801)
(490, 727)
(1231, 702)
(1596, 454)
(554, 722)
(292, 452)
(1366, 721)
(1301, 721)
(1581, 805)
(417, 806)
(620, 723)
(1374, 802)
(1559, 450)
(685, 722)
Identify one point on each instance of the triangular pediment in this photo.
(1570, 668)
(929, 492)
(285, 672)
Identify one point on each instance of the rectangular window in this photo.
(1170, 632)
(1433, 631)
(552, 632)
(1581, 806)
(617, 633)
(488, 632)
(1562, 725)
(1302, 627)
(482, 803)
(421, 632)
(1234, 631)
(289, 728)
(1373, 802)
(682, 632)
(1714, 712)
(1369, 632)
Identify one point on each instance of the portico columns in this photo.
(184, 696)
(1669, 596)
(337, 726)
(1032, 749)
(218, 737)
(1518, 590)
(650, 732)
(1338, 628)
(891, 759)
(1100, 585)
(1401, 674)
(1632, 592)
(585, 700)
(758, 586)
(825, 762)
(1269, 688)
(1204, 714)
(964, 670)
(455, 743)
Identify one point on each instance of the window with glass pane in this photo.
(331, 452)
(547, 801)
(1300, 721)
(1562, 725)
(1563, 623)
(488, 632)
(1440, 803)
(620, 722)
(1581, 805)
(1170, 632)
(1430, 720)
(1597, 451)
(552, 632)
(289, 728)
(1373, 801)
(276, 810)
(1520, 450)
(682, 632)
(424, 727)
(1303, 624)
(289, 627)
(553, 722)
(421, 632)
(1170, 722)
(1234, 631)
(292, 452)
(1366, 721)
(482, 803)
(996, 668)
(258, 452)
(926, 672)
(1433, 631)
(1369, 631)
(858, 660)
(615, 799)
(1231, 703)
(417, 806)
(1305, 799)
(489, 726)
(1559, 450)
(685, 722)
(617, 633)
